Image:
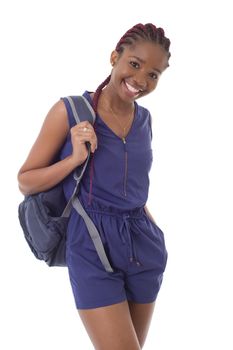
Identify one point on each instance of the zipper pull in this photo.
(123, 139)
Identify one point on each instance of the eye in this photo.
(154, 76)
(134, 64)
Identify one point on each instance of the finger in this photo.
(93, 142)
(85, 133)
(82, 127)
(82, 131)
(88, 138)
(93, 147)
(86, 130)
(86, 124)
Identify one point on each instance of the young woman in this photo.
(115, 307)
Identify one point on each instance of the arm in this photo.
(38, 173)
(149, 214)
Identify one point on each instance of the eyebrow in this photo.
(142, 61)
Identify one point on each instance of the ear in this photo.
(114, 57)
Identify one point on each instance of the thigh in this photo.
(110, 327)
(141, 315)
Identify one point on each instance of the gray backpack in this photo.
(44, 216)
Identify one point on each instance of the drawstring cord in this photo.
(91, 179)
(125, 227)
(124, 230)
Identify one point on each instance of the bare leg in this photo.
(110, 327)
(141, 315)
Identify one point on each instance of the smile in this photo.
(132, 89)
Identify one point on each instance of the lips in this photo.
(132, 91)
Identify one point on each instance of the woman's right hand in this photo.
(39, 172)
(80, 134)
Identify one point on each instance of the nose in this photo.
(140, 81)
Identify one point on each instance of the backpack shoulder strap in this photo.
(78, 109)
(81, 110)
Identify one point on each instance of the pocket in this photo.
(157, 227)
(154, 225)
(158, 230)
(158, 234)
(164, 244)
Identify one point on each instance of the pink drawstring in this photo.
(91, 172)
(91, 179)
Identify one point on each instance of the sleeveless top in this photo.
(120, 174)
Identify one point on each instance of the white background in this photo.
(56, 48)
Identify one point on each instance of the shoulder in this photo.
(56, 117)
(58, 111)
(145, 116)
(142, 111)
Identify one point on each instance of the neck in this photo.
(110, 101)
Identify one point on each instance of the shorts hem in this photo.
(105, 302)
(143, 301)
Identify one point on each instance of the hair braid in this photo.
(98, 92)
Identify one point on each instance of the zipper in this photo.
(126, 166)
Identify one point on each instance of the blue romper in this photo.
(119, 181)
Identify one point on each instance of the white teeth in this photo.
(131, 88)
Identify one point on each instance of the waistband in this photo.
(98, 207)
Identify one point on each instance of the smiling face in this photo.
(137, 69)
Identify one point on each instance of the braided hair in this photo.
(148, 32)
